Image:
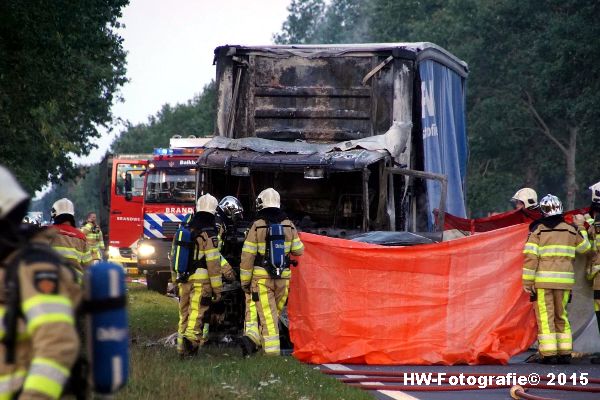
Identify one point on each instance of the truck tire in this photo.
(157, 281)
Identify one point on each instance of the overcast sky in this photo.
(170, 49)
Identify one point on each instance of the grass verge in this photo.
(156, 372)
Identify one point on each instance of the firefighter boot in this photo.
(248, 346)
(189, 349)
(564, 359)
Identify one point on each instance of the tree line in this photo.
(532, 93)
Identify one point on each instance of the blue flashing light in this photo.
(163, 152)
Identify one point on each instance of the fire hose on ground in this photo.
(516, 391)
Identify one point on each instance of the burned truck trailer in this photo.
(355, 138)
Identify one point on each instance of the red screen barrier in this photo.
(448, 303)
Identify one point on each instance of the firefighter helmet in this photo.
(595, 188)
(551, 205)
(231, 207)
(207, 203)
(268, 198)
(11, 195)
(63, 206)
(526, 195)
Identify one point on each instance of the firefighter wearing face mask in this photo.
(39, 341)
(93, 235)
(69, 242)
(593, 265)
(230, 215)
(203, 286)
(548, 276)
(268, 285)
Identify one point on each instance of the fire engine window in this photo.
(137, 179)
(171, 185)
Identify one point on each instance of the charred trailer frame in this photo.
(359, 117)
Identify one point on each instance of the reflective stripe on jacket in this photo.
(72, 245)
(47, 342)
(255, 244)
(550, 253)
(95, 241)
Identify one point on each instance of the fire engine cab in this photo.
(169, 197)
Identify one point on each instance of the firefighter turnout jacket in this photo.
(195, 294)
(593, 265)
(47, 343)
(266, 295)
(255, 249)
(72, 245)
(95, 241)
(550, 251)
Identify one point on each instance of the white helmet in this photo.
(207, 203)
(528, 196)
(551, 205)
(63, 206)
(12, 194)
(268, 198)
(595, 188)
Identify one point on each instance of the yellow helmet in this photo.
(207, 203)
(268, 198)
(526, 195)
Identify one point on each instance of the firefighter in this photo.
(70, 241)
(525, 198)
(593, 265)
(94, 237)
(204, 285)
(39, 340)
(548, 276)
(230, 213)
(268, 290)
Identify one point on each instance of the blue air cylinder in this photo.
(107, 329)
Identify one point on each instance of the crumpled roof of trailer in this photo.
(393, 142)
(274, 155)
(422, 51)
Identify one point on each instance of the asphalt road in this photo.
(565, 374)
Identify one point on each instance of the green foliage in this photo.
(196, 117)
(533, 82)
(61, 63)
(302, 23)
(217, 373)
(83, 191)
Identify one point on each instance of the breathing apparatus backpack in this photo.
(275, 260)
(105, 314)
(182, 252)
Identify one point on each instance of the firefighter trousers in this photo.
(251, 321)
(270, 296)
(554, 329)
(597, 307)
(194, 303)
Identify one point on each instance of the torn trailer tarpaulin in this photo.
(447, 303)
(393, 141)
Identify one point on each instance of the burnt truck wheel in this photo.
(158, 281)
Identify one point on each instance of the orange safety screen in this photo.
(455, 302)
